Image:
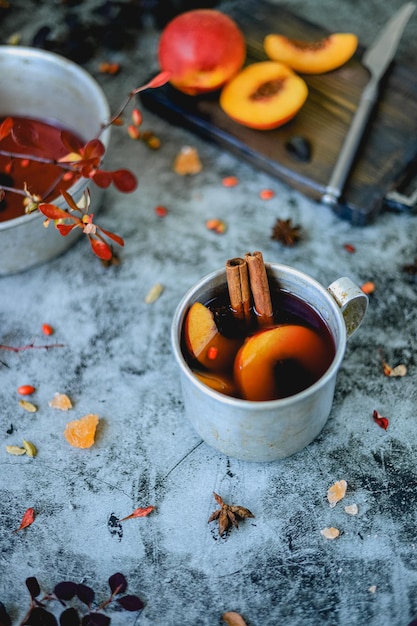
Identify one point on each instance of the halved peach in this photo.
(204, 341)
(263, 95)
(312, 57)
(255, 363)
(218, 382)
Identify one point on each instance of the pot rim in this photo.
(101, 102)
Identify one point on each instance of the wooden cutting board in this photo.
(387, 155)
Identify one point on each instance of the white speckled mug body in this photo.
(272, 430)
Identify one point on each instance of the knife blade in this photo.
(376, 59)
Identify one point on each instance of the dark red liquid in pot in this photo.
(43, 179)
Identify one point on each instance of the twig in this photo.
(31, 346)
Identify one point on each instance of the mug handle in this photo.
(352, 301)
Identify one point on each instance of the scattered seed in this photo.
(336, 492)
(161, 211)
(25, 390)
(230, 181)
(352, 509)
(187, 162)
(28, 406)
(217, 225)
(24, 162)
(15, 450)
(368, 287)
(330, 533)
(137, 117)
(266, 194)
(14, 39)
(47, 329)
(133, 132)
(372, 589)
(349, 248)
(154, 293)
(30, 448)
(60, 401)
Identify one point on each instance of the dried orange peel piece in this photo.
(81, 433)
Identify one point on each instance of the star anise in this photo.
(228, 514)
(286, 232)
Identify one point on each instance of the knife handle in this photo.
(334, 189)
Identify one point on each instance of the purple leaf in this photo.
(85, 594)
(117, 583)
(69, 617)
(40, 617)
(5, 619)
(65, 590)
(33, 586)
(131, 603)
(95, 619)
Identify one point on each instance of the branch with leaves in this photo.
(82, 161)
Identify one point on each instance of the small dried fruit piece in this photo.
(217, 225)
(330, 533)
(15, 450)
(187, 162)
(154, 293)
(336, 492)
(233, 619)
(28, 406)
(29, 448)
(81, 433)
(60, 401)
(351, 509)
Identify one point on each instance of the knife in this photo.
(376, 59)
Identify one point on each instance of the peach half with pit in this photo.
(263, 95)
(254, 367)
(311, 57)
(202, 49)
(205, 343)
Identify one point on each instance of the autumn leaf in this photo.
(381, 421)
(140, 512)
(27, 519)
(228, 514)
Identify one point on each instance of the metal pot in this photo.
(46, 86)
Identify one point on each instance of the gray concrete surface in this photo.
(277, 568)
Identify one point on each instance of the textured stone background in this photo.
(117, 362)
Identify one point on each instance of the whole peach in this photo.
(203, 49)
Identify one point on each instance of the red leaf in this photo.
(112, 236)
(27, 519)
(101, 249)
(383, 422)
(124, 181)
(158, 80)
(140, 512)
(94, 149)
(102, 179)
(53, 212)
(65, 229)
(5, 127)
(69, 200)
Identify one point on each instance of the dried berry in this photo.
(217, 225)
(26, 390)
(230, 181)
(266, 194)
(47, 328)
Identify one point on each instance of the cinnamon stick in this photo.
(238, 286)
(260, 287)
